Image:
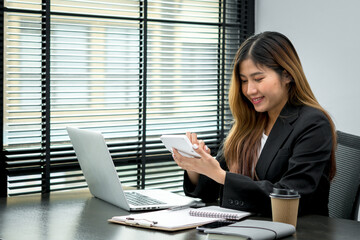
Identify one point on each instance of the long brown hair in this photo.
(275, 51)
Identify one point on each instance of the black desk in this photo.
(77, 215)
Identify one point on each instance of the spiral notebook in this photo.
(178, 219)
(219, 212)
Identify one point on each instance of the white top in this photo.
(263, 141)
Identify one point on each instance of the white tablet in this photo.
(180, 143)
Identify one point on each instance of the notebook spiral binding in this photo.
(231, 216)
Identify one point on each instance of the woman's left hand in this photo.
(206, 165)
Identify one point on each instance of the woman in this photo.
(281, 137)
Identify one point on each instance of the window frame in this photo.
(246, 28)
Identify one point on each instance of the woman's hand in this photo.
(193, 139)
(206, 165)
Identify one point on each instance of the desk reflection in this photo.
(76, 215)
(93, 222)
(34, 217)
(71, 215)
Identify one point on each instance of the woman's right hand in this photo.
(206, 164)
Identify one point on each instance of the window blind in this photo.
(133, 70)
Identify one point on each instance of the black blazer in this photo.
(296, 156)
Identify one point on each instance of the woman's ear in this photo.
(287, 77)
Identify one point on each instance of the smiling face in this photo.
(265, 88)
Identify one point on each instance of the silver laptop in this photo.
(104, 183)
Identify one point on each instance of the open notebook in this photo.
(173, 220)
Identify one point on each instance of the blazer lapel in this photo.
(279, 133)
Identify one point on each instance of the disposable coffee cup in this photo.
(285, 205)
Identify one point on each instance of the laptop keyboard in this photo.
(138, 199)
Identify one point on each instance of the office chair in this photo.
(343, 199)
(357, 206)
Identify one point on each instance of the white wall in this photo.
(326, 34)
